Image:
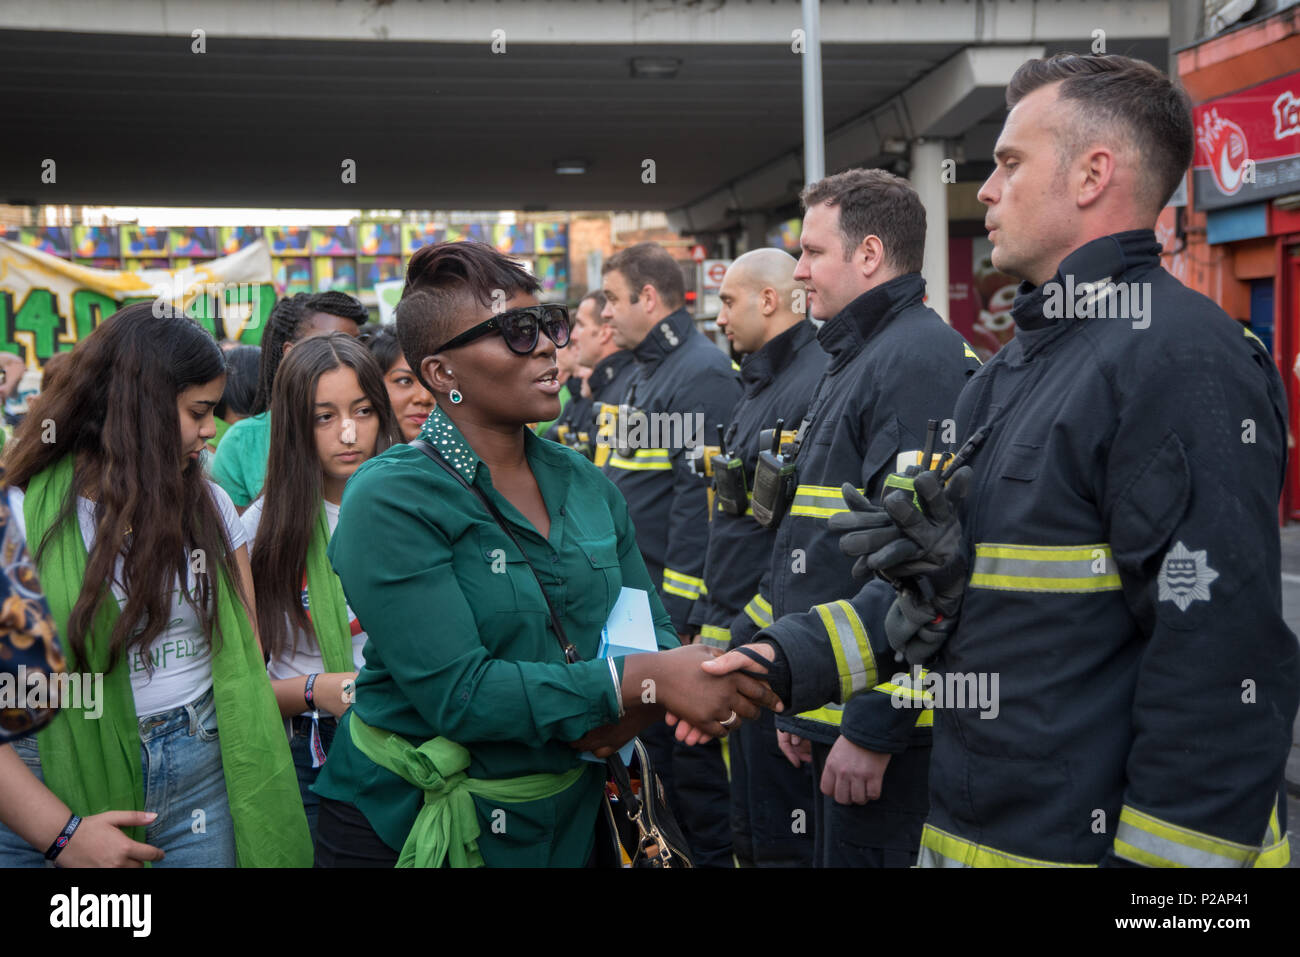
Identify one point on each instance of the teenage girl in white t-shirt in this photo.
(329, 413)
(131, 412)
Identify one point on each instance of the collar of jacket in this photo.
(666, 335)
(440, 432)
(761, 367)
(844, 336)
(606, 369)
(1103, 259)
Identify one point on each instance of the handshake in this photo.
(913, 541)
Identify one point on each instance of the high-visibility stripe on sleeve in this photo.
(969, 353)
(1146, 839)
(759, 611)
(832, 714)
(941, 849)
(1074, 569)
(683, 586)
(854, 662)
(643, 460)
(818, 501)
(714, 637)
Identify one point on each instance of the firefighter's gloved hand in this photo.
(931, 537)
(912, 629)
(864, 529)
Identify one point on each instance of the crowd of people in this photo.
(350, 592)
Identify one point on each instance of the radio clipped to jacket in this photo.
(729, 488)
(775, 477)
(580, 442)
(912, 464)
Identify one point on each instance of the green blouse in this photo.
(459, 641)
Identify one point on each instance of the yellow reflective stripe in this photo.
(854, 661)
(941, 849)
(683, 586)
(926, 720)
(818, 501)
(643, 460)
(832, 714)
(1078, 569)
(759, 611)
(969, 353)
(715, 636)
(1146, 839)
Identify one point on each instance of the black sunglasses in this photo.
(520, 328)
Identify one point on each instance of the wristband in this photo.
(61, 841)
(307, 695)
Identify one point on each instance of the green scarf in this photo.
(448, 822)
(329, 609)
(94, 765)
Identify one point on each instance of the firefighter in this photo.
(894, 365)
(611, 367)
(681, 383)
(762, 317)
(1115, 563)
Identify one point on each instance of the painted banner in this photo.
(48, 304)
(1248, 145)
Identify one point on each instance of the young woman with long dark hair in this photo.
(239, 465)
(411, 401)
(186, 725)
(329, 414)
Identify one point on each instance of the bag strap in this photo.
(570, 652)
(622, 781)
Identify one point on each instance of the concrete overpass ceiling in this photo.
(412, 92)
(141, 120)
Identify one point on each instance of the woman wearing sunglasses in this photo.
(463, 744)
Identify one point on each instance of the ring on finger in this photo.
(730, 721)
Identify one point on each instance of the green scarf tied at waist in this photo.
(328, 606)
(447, 824)
(93, 765)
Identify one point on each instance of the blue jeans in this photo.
(300, 748)
(180, 755)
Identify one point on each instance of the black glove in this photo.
(912, 630)
(931, 537)
(864, 529)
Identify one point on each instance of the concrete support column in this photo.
(928, 179)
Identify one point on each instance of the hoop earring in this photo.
(456, 397)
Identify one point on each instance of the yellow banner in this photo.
(48, 304)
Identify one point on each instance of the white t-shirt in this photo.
(305, 658)
(182, 668)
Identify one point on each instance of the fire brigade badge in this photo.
(1185, 576)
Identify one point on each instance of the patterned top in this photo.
(29, 642)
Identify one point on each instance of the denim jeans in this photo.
(300, 748)
(180, 755)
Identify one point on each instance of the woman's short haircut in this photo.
(443, 281)
(874, 202)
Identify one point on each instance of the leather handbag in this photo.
(634, 818)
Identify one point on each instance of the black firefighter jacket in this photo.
(894, 365)
(684, 383)
(1124, 602)
(779, 380)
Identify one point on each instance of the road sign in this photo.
(698, 253)
(715, 270)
